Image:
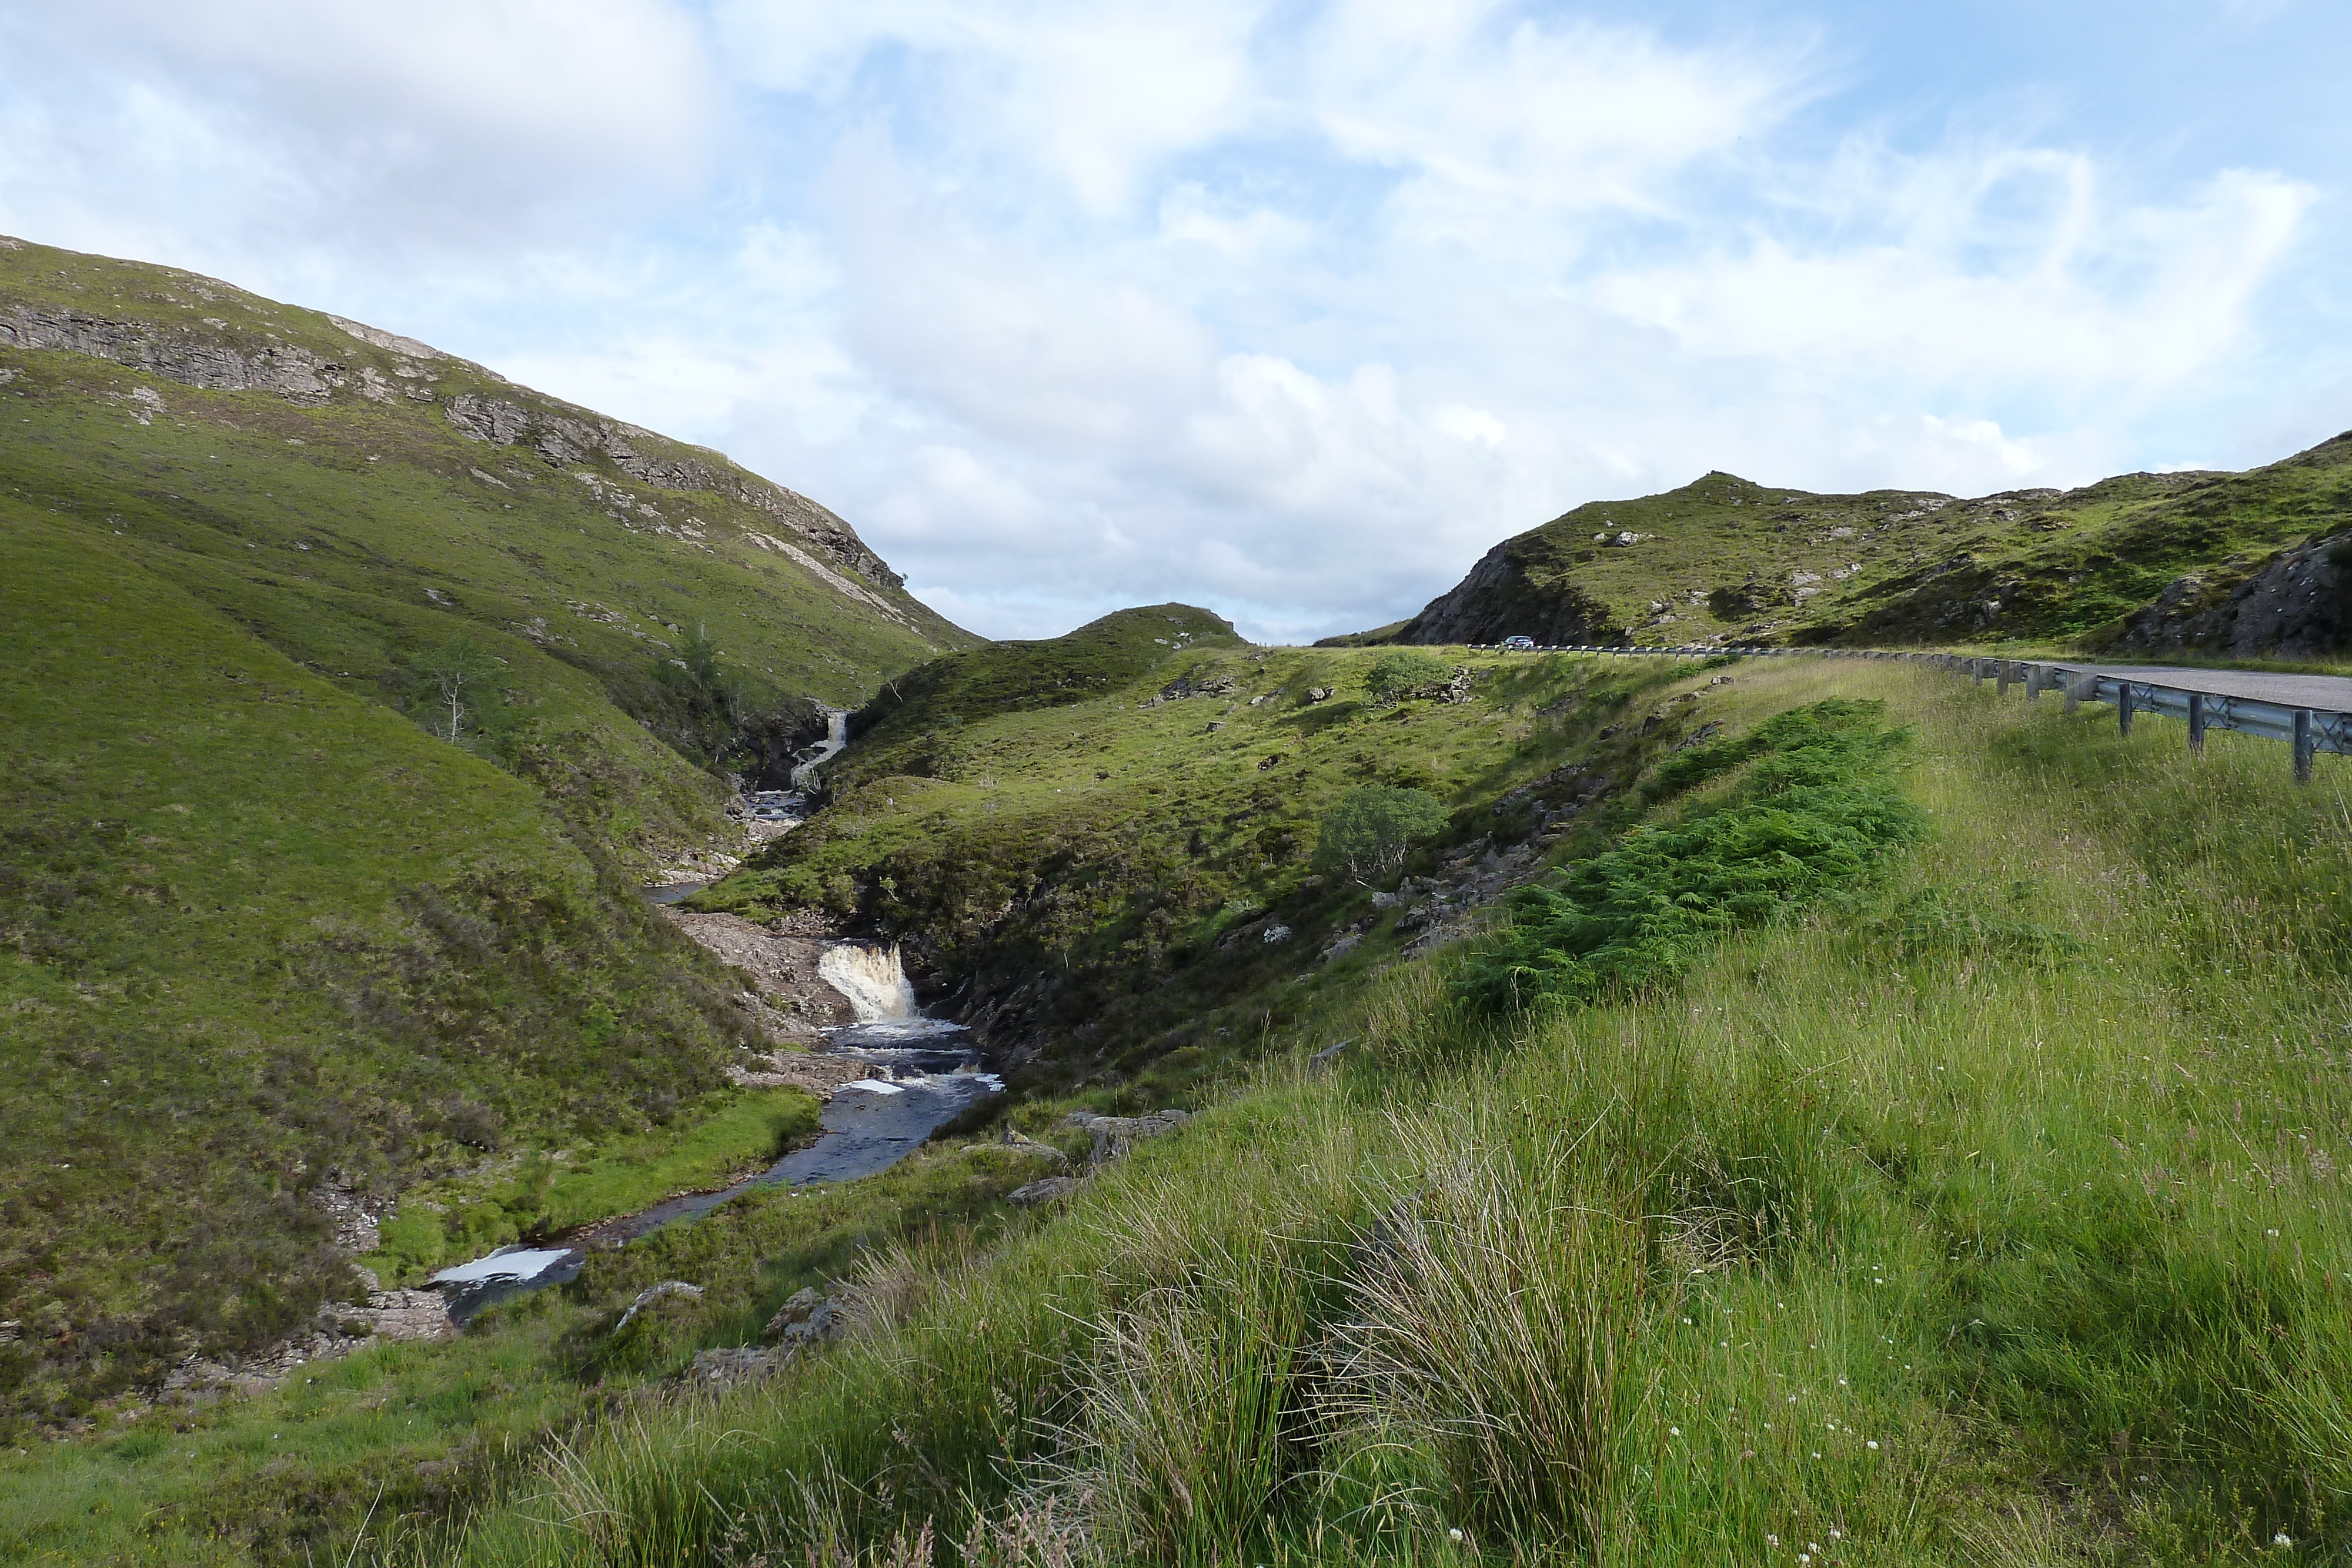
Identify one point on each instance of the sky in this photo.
(1291, 309)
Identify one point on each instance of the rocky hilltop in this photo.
(150, 321)
(2239, 563)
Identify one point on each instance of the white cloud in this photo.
(1289, 309)
(1492, 107)
(1096, 93)
(2084, 296)
(304, 144)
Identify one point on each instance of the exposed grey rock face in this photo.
(207, 353)
(561, 439)
(2293, 605)
(1498, 599)
(191, 357)
(381, 339)
(808, 1320)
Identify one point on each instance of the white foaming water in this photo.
(872, 978)
(518, 1263)
(837, 736)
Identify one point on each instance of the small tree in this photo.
(453, 676)
(1365, 835)
(707, 703)
(1402, 671)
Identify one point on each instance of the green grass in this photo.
(397, 1431)
(540, 1195)
(269, 923)
(220, 989)
(1074, 874)
(1816, 813)
(1959, 1249)
(1724, 557)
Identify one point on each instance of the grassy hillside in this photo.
(1726, 557)
(1897, 1131)
(1094, 882)
(289, 1471)
(384, 516)
(348, 691)
(1982, 1204)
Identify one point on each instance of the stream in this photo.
(776, 805)
(927, 1074)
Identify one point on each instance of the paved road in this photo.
(2328, 694)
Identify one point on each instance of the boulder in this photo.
(808, 1318)
(1044, 1191)
(735, 1363)
(1114, 1135)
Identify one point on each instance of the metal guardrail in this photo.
(2307, 730)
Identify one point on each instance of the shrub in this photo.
(1369, 832)
(1397, 674)
(1816, 813)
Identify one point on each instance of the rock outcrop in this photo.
(2296, 604)
(190, 356)
(564, 439)
(239, 351)
(1502, 598)
(781, 968)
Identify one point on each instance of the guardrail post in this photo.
(2032, 683)
(1977, 666)
(2123, 707)
(2073, 691)
(2000, 684)
(2303, 746)
(2196, 721)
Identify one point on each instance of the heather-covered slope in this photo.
(2141, 555)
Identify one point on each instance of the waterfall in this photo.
(837, 736)
(871, 978)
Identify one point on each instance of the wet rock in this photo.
(781, 968)
(1381, 900)
(1320, 693)
(1274, 935)
(1343, 946)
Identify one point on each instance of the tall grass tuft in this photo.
(1487, 1312)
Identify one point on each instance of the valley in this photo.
(553, 1013)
